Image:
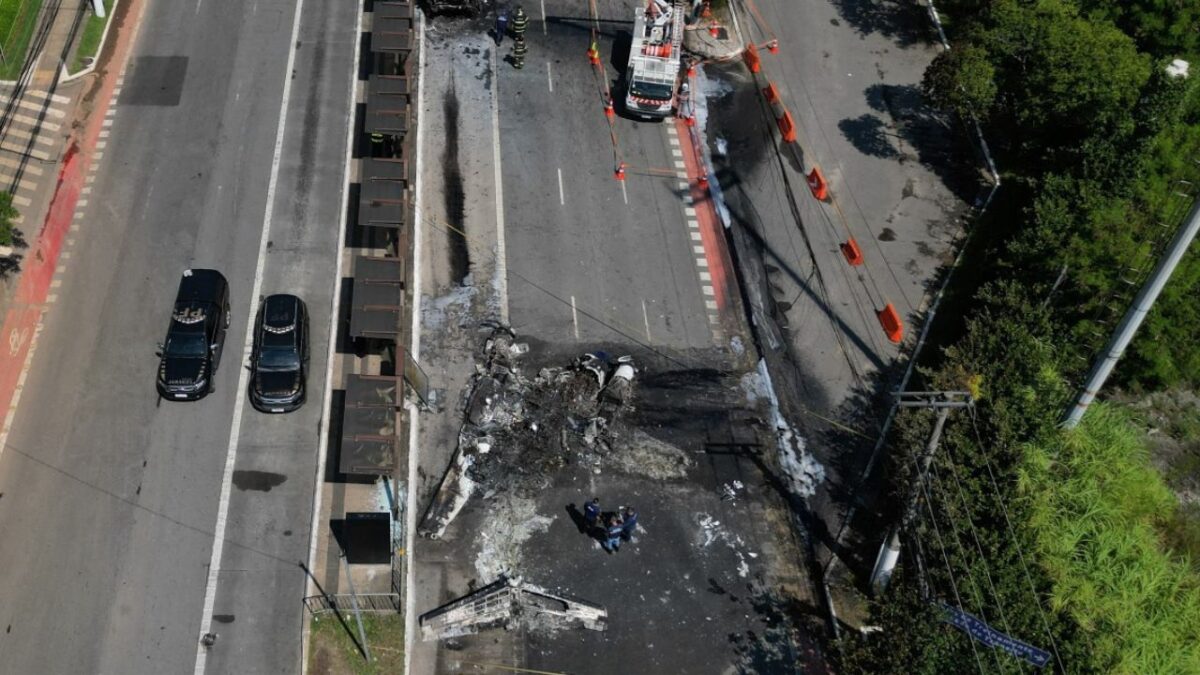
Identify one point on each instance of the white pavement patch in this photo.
(510, 523)
(455, 306)
(800, 469)
(235, 429)
(710, 532)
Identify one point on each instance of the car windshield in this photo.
(657, 92)
(278, 359)
(186, 345)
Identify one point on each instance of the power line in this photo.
(979, 596)
(950, 571)
(1017, 543)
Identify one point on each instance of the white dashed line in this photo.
(549, 80)
(646, 321)
(561, 198)
(574, 318)
(695, 235)
(235, 428)
(698, 250)
(624, 194)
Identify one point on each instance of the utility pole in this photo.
(1133, 317)
(362, 634)
(943, 402)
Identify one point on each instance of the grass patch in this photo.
(93, 32)
(18, 18)
(332, 651)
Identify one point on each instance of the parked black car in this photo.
(279, 362)
(195, 337)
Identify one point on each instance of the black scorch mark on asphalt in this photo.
(259, 481)
(223, 618)
(460, 256)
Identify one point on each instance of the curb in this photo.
(69, 77)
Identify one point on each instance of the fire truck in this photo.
(652, 77)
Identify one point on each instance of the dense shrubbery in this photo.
(1056, 538)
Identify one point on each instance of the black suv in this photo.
(195, 337)
(279, 363)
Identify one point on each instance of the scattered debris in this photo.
(517, 431)
(712, 532)
(729, 491)
(504, 603)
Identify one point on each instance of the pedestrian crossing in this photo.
(33, 130)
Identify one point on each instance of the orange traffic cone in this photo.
(608, 107)
(619, 174)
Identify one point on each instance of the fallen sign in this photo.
(501, 604)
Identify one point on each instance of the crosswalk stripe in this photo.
(15, 163)
(34, 106)
(39, 95)
(32, 122)
(21, 133)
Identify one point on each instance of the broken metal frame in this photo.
(500, 604)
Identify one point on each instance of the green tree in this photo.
(962, 80)
(1164, 28)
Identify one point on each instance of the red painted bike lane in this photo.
(22, 322)
(716, 248)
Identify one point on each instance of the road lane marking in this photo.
(624, 193)
(543, 16)
(646, 321)
(574, 318)
(549, 80)
(235, 427)
(501, 256)
(561, 199)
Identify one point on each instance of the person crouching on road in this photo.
(612, 539)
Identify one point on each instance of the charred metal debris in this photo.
(518, 430)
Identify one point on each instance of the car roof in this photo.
(201, 285)
(281, 310)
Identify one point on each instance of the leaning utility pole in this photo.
(944, 402)
(1133, 318)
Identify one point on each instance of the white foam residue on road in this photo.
(435, 312)
(706, 87)
(510, 523)
(802, 471)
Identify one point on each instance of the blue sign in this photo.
(981, 632)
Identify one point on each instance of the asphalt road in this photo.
(903, 178)
(110, 497)
(625, 259)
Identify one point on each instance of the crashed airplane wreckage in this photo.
(517, 430)
(502, 604)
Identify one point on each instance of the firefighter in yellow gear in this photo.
(518, 52)
(520, 22)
